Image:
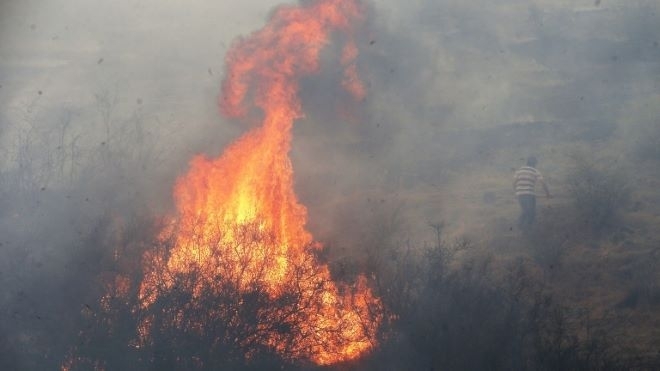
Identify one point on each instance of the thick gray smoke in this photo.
(102, 105)
(460, 92)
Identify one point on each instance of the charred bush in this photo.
(599, 193)
(644, 290)
(562, 341)
(443, 317)
(454, 312)
(550, 240)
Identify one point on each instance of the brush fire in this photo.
(236, 265)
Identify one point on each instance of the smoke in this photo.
(458, 93)
(102, 105)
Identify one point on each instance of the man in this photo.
(524, 184)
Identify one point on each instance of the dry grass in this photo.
(589, 273)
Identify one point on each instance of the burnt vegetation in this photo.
(599, 193)
(448, 304)
(446, 308)
(82, 191)
(450, 313)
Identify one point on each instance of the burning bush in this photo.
(220, 313)
(229, 297)
(234, 278)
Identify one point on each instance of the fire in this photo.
(239, 223)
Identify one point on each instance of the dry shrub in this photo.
(599, 191)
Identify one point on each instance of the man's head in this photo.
(531, 161)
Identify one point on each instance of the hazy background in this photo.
(102, 105)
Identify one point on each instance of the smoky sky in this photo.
(434, 64)
(103, 104)
(449, 81)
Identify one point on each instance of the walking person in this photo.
(524, 184)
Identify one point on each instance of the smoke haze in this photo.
(103, 104)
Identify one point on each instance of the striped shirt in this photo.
(525, 180)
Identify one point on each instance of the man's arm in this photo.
(515, 181)
(545, 187)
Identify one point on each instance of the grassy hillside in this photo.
(606, 276)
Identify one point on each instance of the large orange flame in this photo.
(239, 219)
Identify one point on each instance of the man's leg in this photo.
(521, 218)
(526, 206)
(532, 209)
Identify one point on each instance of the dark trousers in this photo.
(528, 210)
